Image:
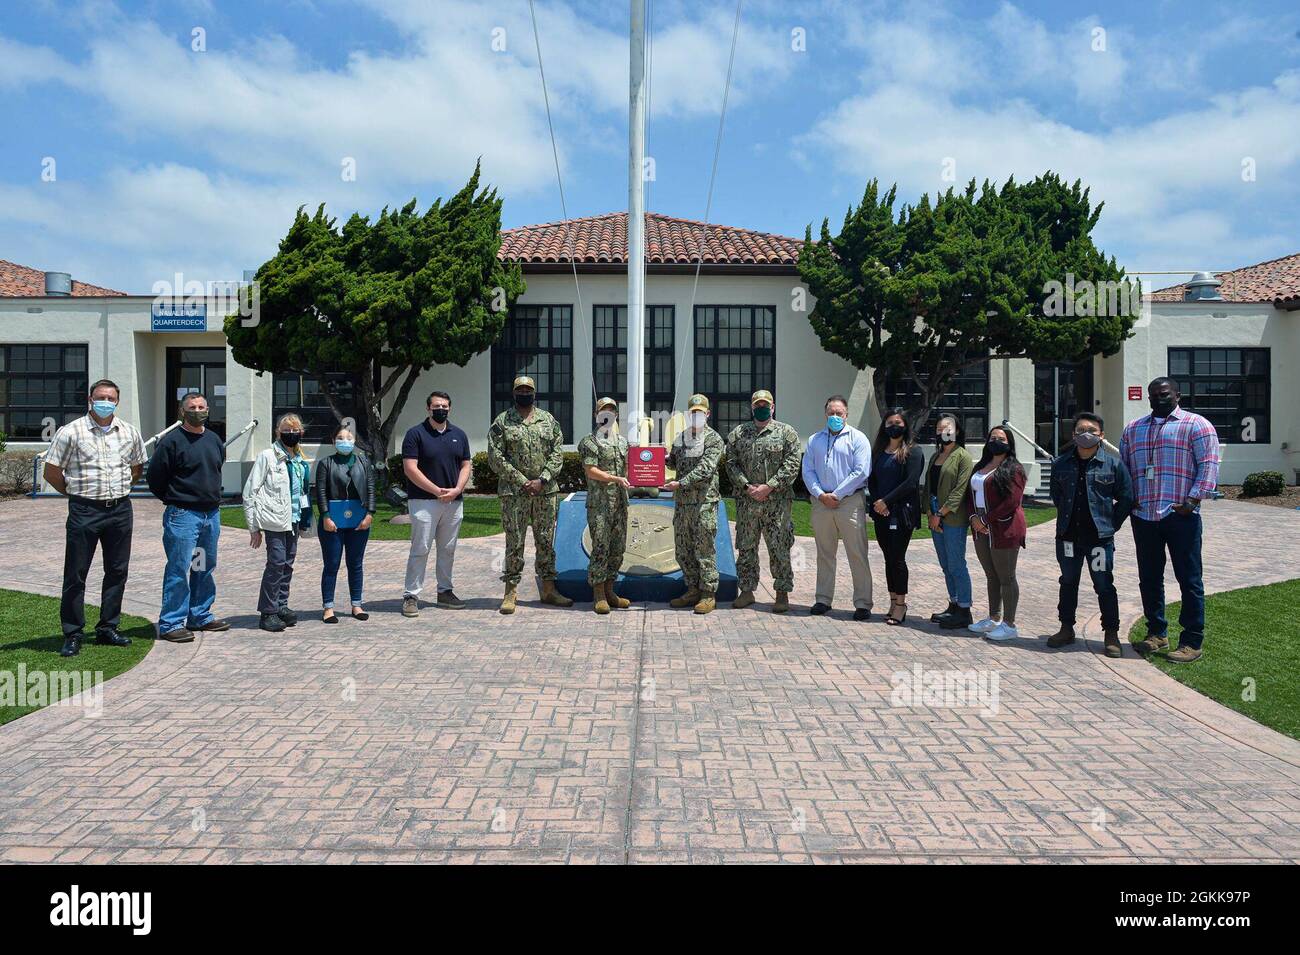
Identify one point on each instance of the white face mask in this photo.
(698, 419)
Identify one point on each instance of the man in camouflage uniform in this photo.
(764, 456)
(525, 453)
(604, 459)
(695, 455)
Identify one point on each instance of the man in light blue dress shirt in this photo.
(835, 470)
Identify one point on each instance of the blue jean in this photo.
(1181, 534)
(189, 588)
(950, 546)
(332, 547)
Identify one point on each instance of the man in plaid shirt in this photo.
(1173, 457)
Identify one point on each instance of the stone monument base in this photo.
(650, 571)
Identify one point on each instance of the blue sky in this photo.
(168, 159)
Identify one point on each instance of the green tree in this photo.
(942, 286)
(386, 299)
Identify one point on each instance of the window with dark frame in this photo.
(538, 342)
(735, 355)
(609, 357)
(40, 382)
(1227, 386)
(303, 394)
(967, 397)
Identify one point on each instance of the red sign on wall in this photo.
(645, 465)
(1134, 392)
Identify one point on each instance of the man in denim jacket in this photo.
(1093, 494)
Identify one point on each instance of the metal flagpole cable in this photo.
(564, 209)
(708, 202)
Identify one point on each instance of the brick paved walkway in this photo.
(648, 736)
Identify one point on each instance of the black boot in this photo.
(272, 623)
(287, 616)
(935, 617)
(959, 617)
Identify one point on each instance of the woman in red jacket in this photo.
(997, 521)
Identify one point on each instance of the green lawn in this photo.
(30, 635)
(1252, 648)
(483, 517)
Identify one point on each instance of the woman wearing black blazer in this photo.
(345, 480)
(894, 486)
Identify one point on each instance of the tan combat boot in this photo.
(552, 596)
(508, 602)
(782, 604)
(706, 603)
(688, 599)
(743, 600)
(614, 600)
(600, 602)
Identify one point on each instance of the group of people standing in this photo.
(1168, 463)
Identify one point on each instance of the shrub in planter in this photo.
(1263, 484)
(16, 472)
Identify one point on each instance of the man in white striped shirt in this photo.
(94, 461)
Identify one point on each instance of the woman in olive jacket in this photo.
(943, 498)
(346, 479)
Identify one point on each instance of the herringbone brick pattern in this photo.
(647, 736)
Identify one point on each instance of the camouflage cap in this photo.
(523, 381)
(606, 403)
(762, 395)
(697, 403)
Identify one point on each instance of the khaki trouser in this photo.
(847, 523)
(435, 525)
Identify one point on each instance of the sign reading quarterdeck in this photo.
(178, 317)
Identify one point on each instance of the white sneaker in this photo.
(1003, 631)
(984, 626)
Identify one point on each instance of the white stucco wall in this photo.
(121, 346)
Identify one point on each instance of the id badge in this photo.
(302, 501)
(893, 525)
(1069, 548)
(1151, 472)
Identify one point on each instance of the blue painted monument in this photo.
(650, 571)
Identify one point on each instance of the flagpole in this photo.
(636, 224)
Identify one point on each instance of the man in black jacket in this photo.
(1093, 494)
(185, 474)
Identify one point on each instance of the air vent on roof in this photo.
(1202, 287)
(58, 283)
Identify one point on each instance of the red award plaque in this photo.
(645, 465)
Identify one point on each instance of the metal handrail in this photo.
(1043, 451)
(242, 431)
(36, 461)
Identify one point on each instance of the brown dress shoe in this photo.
(706, 603)
(743, 599)
(1151, 645)
(1184, 655)
(688, 599)
(782, 604)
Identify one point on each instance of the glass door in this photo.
(198, 369)
(1060, 392)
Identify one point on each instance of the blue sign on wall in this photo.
(178, 317)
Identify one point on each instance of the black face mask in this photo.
(895, 431)
(525, 399)
(998, 447)
(439, 414)
(290, 439)
(1163, 407)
